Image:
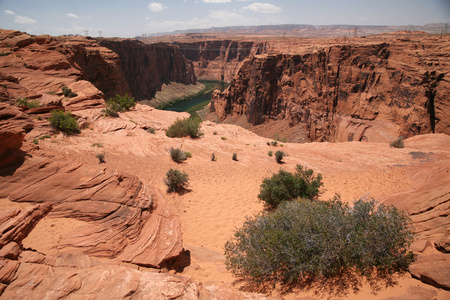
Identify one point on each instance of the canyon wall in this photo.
(372, 91)
(219, 59)
(148, 66)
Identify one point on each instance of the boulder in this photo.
(432, 269)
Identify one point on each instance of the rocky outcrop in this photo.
(127, 220)
(368, 92)
(13, 126)
(148, 66)
(219, 59)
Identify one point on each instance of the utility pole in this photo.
(100, 33)
(86, 32)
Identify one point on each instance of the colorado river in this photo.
(187, 104)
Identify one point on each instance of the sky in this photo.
(130, 18)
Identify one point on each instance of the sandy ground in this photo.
(224, 192)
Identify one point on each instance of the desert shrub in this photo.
(308, 240)
(68, 92)
(274, 143)
(151, 130)
(184, 127)
(64, 122)
(234, 157)
(398, 143)
(213, 157)
(285, 186)
(224, 138)
(122, 103)
(176, 181)
(97, 145)
(215, 133)
(270, 153)
(279, 156)
(177, 155)
(118, 104)
(27, 103)
(101, 157)
(188, 154)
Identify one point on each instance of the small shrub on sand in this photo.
(151, 130)
(234, 157)
(177, 155)
(118, 104)
(305, 241)
(101, 157)
(279, 156)
(286, 186)
(185, 127)
(213, 157)
(64, 122)
(176, 181)
(398, 143)
(270, 153)
(188, 154)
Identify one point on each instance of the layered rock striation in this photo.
(351, 92)
(148, 66)
(219, 59)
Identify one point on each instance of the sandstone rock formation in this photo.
(219, 59)
(371, 91)
(13, 126)
(42, 65)
(148, 66)
(126, 219)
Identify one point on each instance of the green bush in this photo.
(176, 181)
(184, 127)
(398, 143)
(121, 103)
(286, 186)
(68, 92)
(27, 103)
(101, 157)
(279, 156)
(64, 122)
(270, 153)
(305, 240)
(177, 155)
(118, 104)
(151, 130)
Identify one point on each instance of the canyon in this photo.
(73, 227)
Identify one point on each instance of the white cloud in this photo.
(225, 15)
(264, 8)
(216, 1)
(70, 15)
(9, 12)
(156, 7)
(24, 20)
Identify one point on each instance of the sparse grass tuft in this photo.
(101, 157)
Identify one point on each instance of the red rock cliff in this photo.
(219, 59)
(366, 92)
(148, 66)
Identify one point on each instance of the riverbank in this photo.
(172, 92)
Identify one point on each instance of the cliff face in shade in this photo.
(367, 92)
(219, 59)
(148, 66)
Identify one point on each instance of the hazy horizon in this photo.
(133, 18)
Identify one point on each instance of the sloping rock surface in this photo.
(128, 221)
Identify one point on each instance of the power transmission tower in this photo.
(86, 32)
(100, 33)
(355, 32)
